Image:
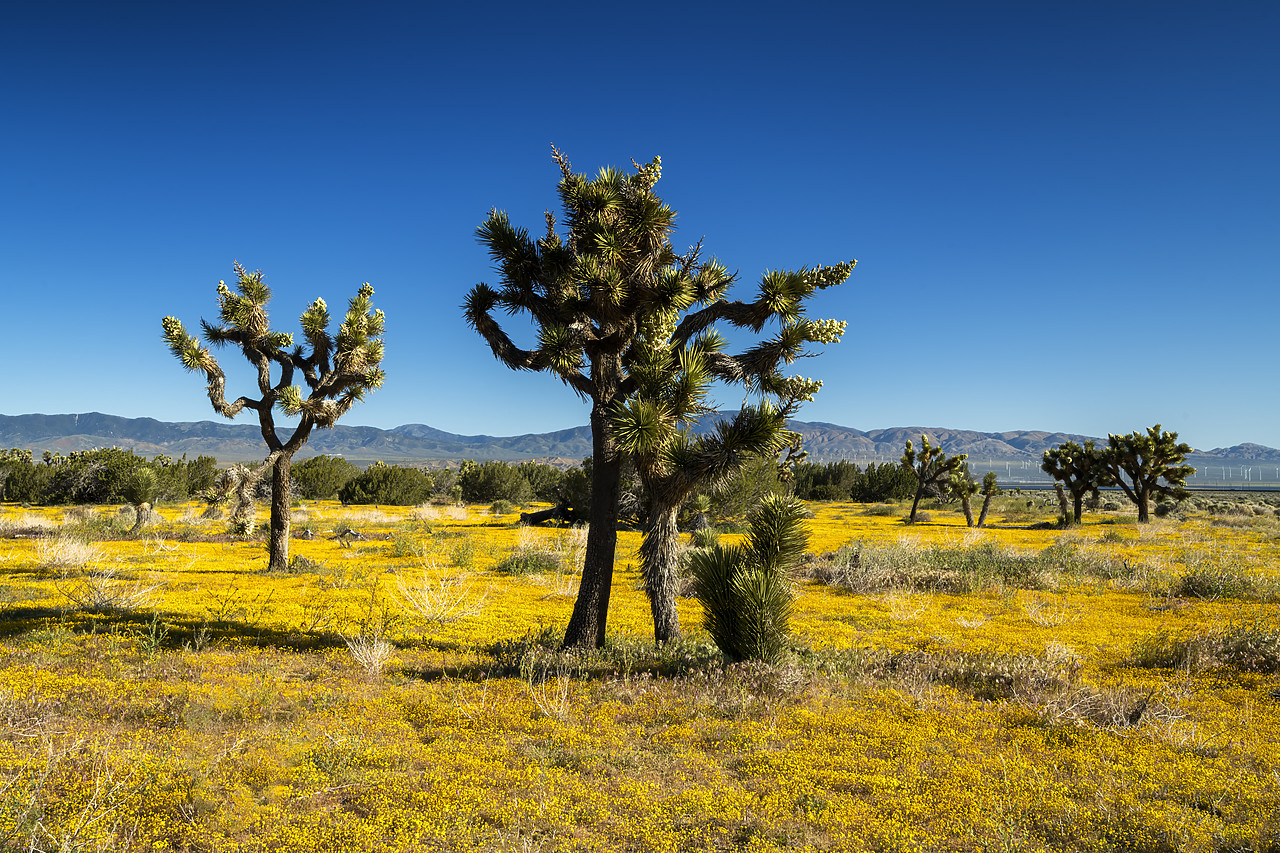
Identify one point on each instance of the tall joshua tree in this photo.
(1081, 470)
(654, 428)
(1146, 460)
(338, 372)
(590, 293)
(932, 467)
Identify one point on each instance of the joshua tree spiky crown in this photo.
(1145, 460)
(338, 372)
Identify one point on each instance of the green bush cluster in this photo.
(391, 485)
(845, 481)
(323, 477)
(102, 476)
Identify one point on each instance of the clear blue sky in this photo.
(1066, 215)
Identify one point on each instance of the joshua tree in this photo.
(590, 294)
(338, 372)
(932, 467)
(1080, 470)
(745, 590)
(1145, 460)
(654, 429)
(962, 485)
(989, 491)
(139, 489)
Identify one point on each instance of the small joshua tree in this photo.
(745, 590)
(962, 485)
(932, 467)
(989, 491)
(338, 372)
(1145, 460)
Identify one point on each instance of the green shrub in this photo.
(391, 485)
(1209, 583)
(528, 561)
(323, 477)
(502, 507)
(486, 482)
(299, 564)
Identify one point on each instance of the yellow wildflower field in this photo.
(1109, 687)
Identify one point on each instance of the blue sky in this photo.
(1065, 214)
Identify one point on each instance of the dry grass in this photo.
(102, 591)
(440, 600)
(67, 552)
(26, 524)
(370, 650)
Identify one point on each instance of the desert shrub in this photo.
(486, 482)
(876, 567)
(26, 483)
(1250, 646)
(502, 507)
(323, 477)
(1209, 582)
(733, 500)
(883, 510)
(406, 541)
(985, 675)
(545, 481)
(299, 565)
(528, 561)
(387, 484)
(833, 481)
(509, 656)
(90, 476)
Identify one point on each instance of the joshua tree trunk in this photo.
(915, 503)
(967, 505)
(1143, 501)
(591, 610)
(141, 512)
(986, 505)
(1077, 506)
(1062, 503)
(660, 565)
(280, 505)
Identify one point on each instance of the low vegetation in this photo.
(1111, 686)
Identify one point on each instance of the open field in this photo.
(1111, 687)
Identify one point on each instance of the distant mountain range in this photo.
(419, 443)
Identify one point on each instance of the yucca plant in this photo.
(745, 590)
(338, 372)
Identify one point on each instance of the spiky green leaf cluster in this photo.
(746, 590)
(337, 372)
(1138, 463)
